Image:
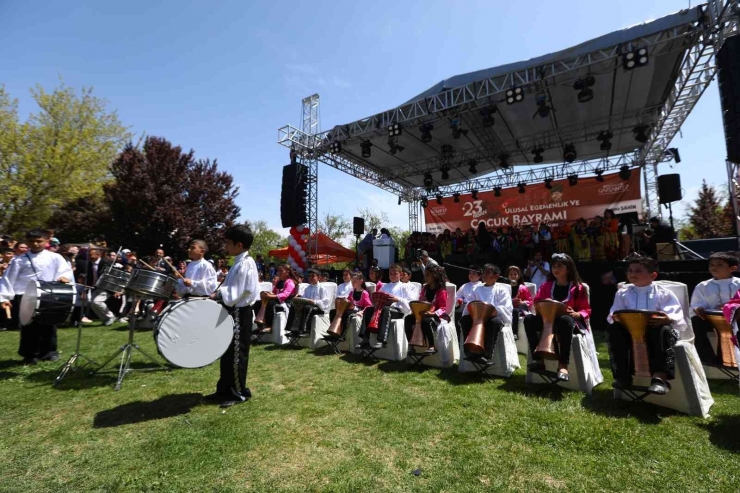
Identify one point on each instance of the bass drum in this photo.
(194, 332)
(47, 302)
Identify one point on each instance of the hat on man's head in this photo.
(125, 250)
(54, 241)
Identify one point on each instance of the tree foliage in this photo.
(57, 156)
(265, 239)
(373, 219)
(707, 218)
(335, 226)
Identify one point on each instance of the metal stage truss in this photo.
(472, 125)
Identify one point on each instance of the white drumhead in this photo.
(194, 333)
(29, 303)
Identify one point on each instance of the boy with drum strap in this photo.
(712, 295)
(200, 276)
(37, 341)
(662, 333)
(238, 292)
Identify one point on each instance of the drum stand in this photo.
(70, 364)
(125, 352)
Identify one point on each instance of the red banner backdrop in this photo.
(559, 205)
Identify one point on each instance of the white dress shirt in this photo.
(496, 295)
(653, 297)
(42, 266)
(319, 294)
(714, 293)
(241, 286)
(402, 291)
(344, 289)
(203, 277)
(466, 291)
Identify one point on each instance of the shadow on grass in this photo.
(284, 347)
(723, 432)
(140, 411)
(602, 402)
(517, 383)
(724, 387)
(78, 379)
(393, 366)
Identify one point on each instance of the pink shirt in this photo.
(289, 290)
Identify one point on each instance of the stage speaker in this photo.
(728, 63)
(358, 226)
(294, 195)
(669, 188)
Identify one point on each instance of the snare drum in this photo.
(47, 302)
(114, 280)
(193, 332)
(151, 284)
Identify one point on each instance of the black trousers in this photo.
(493, 327)
(232, 381)
(428, 326)
(386, 315)
(345, 317)
(563, 328)
(661, 343)
(517, 314)
(702, 329)
(269, 311)
(304, 320)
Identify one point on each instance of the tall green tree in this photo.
(705, 217)
(58, 155)
(265, 239)
(373, 219)
(335, 226)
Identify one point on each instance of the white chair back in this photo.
(532, 288)
(331, 287)
(302, 288)
(370, 287)
(266, 286)
(451, 296)
(415, 290)
(507, 286)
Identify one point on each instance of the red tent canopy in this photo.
(329, 251)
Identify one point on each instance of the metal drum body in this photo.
(419, 308)
(723, 328)
(548, 310)
(47, 302)
(264, 299)
(114, 280)
(379, 300)
(194, 332)
(636, 322)
(341, 305)
(151, 284)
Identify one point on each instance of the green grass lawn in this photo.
(330, 423)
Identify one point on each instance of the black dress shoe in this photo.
(53, 356)
(30, 361)
(621, 385)
(563, 377)
(231, 402)
(216, 397)
(363, 344)
(659, 386)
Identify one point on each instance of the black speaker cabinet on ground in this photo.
(358, 226)
(728, 63)
(669, 188)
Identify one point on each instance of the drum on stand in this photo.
(193, 332)
(47, 302)
(150, 284)
(114, 280)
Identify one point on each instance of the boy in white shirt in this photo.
(200, 276)
(662, 333)
(400, 295)
(712, 295)
(465, 293)
(317, 293)
(343, 290)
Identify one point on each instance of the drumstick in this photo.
(147, 265)
(173, 269)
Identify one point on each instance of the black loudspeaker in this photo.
(669, 188)
(728, 63)
(358, 226)
(294, 195)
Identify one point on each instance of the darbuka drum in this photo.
(46, 302)
(151, 284)
(114, 280)
(636, 322)
(549, 310)
(723, 328)
(342, 304)
(264, 299)
(194, 332)
(379, 300)
(419, 308)
(298, 305)
(481, 312)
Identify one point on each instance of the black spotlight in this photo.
(445, 174)
(583, 85)
(366, 148)
(456, 130)
(569, 153)
(497, 191)
(641, 133)
(599, 172)
(426, 132)
(456, 197)
(572, 180)
(487, 114)
(336, 147)
(439, 199)
(543, 109)
(393, 145)
(625, 173)
(473, 166)
(548, 183)
(395, 130)
(474, 193)
(424, 202)
(635, 58)
(606, 140)
(399, 200)
(672, 153)
(538, 155)
(521, 187)
(514, 95)
(504, 164)
(428, 180)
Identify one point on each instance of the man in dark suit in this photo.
(94, 266)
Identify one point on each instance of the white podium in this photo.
(385, 251)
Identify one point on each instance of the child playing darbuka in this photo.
(434, 291)
(316, 293)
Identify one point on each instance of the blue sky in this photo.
(221, 77)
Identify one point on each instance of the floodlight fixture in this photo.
(487, 114)
(538, 155)
(569, 153)
(521, 187)
(457, 131)
(605, 137)
(426, 132)
(599, 172)
(366, 149)
(504, 161)
(625, 173)
(439, 199)
(572, 180)
(445, 174)
(642, 133)
(548, 183)
(543, 108)
(474, 193)
(395, 130)
(473, 166)
(514, 95)
(497, 191)
(456, 197)
(336, 147)
(583, 86)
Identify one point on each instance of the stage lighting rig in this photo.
(521, 187)
(572, 180)
(395, 130)
(497, 191)
(428, 180)
(625, 173)
(366, 149)
(599, 172)
(583, 85)
(473, 166)
(394, 146)
(538, 155)
(487, 114)
(424, 202)
(456, 198)
(635, 58)
(457, 131)
(672, 153)
(514, 95)
(642, 133)
(439, 199)
(543, 108)
(606, 140)
(336, 147)
(548, 183)
(445, 173)
(474, 193)
(569, 153)
(504, 163)
(426, 132)
(399, 200)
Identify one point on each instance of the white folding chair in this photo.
(264, 286)
(278, 335)
(522, 345)
(446, 343)
(319, 324)
(352, 332)
(690, 392)
(505, 359)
